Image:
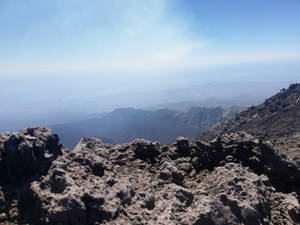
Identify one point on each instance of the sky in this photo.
(54, 53)
(133, 37)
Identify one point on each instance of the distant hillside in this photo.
(16, 113)
(126, 124)
(276, 120)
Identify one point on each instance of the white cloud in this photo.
(115, 37)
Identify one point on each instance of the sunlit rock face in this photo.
(233, 179)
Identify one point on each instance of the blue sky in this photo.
(109, 37)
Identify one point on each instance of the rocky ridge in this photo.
(233, 179)
(276, 121)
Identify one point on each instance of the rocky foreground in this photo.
(233, 179)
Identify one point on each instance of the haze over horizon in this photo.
(59, 51)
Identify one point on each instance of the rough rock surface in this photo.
(24, 156)
(276, 121)
(234, 179)
(29, 151)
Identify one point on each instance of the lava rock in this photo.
(233, 179)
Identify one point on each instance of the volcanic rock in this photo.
(25, 156)
(276, 121)
(234, 179)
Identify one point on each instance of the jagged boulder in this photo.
(27, 153)
(240, 148)
(146, 150)
(285, 208)
(25, 156)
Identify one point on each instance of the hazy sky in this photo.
(127, 37)
(57, 56)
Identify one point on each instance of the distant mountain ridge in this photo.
(126, 124)
(16, 114)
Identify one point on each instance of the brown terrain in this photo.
(243, 172)
(277, 121)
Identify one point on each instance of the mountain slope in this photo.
(126, 124)
(276, 120)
